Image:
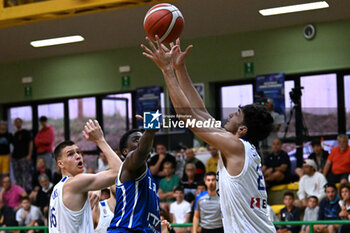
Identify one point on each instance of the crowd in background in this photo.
(186, 185)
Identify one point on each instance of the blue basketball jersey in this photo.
(137, 206)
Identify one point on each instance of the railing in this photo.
(310, 223)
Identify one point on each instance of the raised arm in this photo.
(216, 137)
(83, 183)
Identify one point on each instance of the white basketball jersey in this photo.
(106, 216)
(64, 220)
(243, 197)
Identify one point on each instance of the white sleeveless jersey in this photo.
(243, 198)
(64, 220)
(106, 216)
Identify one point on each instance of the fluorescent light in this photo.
(294, 8)
(56, 41)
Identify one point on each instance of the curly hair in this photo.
(258, 121)
(123, 143)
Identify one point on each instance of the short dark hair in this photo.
(43, 119)
(258, 121)
(25, 198)
(168, 162)
(316, 141)
(60, 147)
(18, 119)
(316, 198)
(123, 143)
(179, 188)
(330, 185)
(201, 183)
(209, 174)
(288, 193)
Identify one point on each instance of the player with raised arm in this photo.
(241, 184)
(137, 201)
(70, 210)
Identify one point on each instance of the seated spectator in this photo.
(329, 209)
(344, 203)
(311, 212)
(102, 163)
(337, 168)
(289, 213)
(156, 163)
(7, 215)
(311, 184)
(319, 155)
(201, 187)
(276, 168)
(40, 169)
(167, 185)
(180, 209)
(190, 158)
(190, 181)
(42, 199)
(212, 162)
(29, 215)
(11, 194)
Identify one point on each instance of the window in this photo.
(80, 111)
(319, 103)
(347, 101)
(55, 115)
(25, 113)
(233, 96)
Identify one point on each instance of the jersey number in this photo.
(260, 183)
(53, 221)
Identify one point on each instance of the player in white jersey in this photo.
(102, 214)
(242, 187)
(70, 210)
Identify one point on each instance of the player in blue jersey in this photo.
(137, 201)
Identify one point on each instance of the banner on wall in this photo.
(271, 86)
(147, 100)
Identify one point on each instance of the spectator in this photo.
(102, 163)
(42, 199)
(319, 155)
(7, 215)
(329, 209)
(289, 213)
(156, 163)
(201, 187)
(207, 210)
(11, 194)
(180, 209)
(167, 185)
(212, 162)
(28, 214)
(5, 140)
(344, 203)
(44, 141)
(190, 158)
(22, 156)
(180, 164)
(278, 120)
(311, 212)
(337, 168)
(40, 169)
(311, 184)
(276, 168)
(190, 181)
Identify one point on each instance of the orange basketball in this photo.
(164, 20)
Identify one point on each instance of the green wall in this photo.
(212, 59)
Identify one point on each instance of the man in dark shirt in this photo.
(329, 209)
(7, 215)
(43, 197)
(22, 156)
(5, 140)
(190, 158)
(319, 155)
(289, 213)
(156, 162)
(276, 166)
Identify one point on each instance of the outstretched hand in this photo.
(92, 131)
(178, 56)
(162, 58)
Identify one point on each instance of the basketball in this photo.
(164, 20)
